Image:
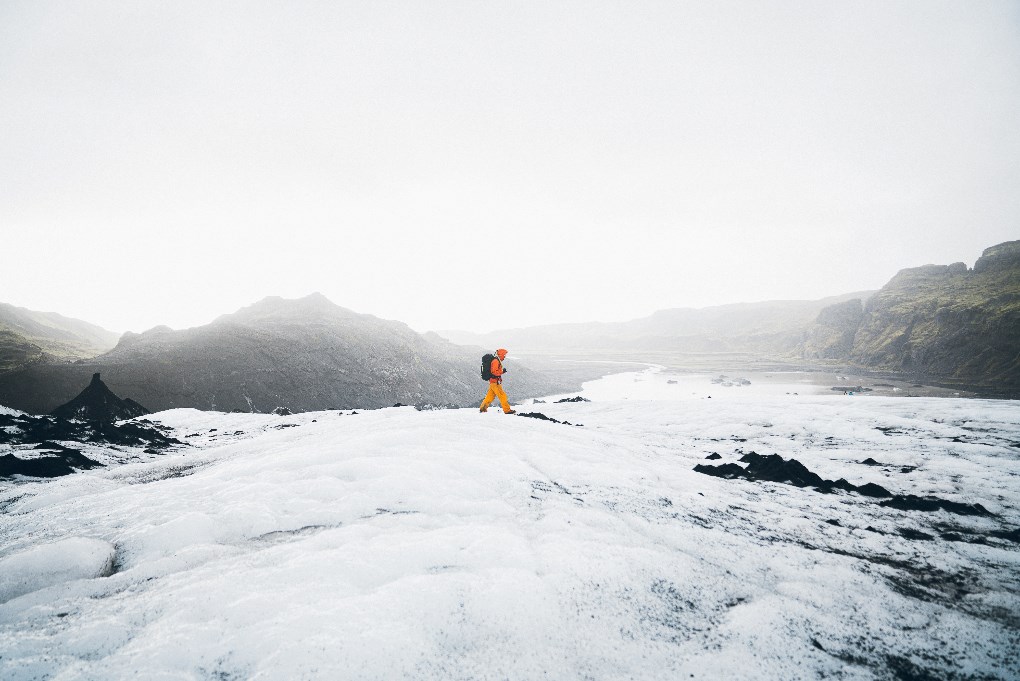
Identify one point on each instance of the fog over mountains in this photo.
(950, 324)
(300, 354)
(27, 337)
(771, 327)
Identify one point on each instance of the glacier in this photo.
(448, 544)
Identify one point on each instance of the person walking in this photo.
(496, 371)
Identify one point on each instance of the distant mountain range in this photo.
(29, 337)
(949, 324)
(300, 354)
(768, 328)
(944, 323)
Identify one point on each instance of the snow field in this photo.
(48, 564)
(451, 545)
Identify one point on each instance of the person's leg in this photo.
(501, 394)
(489, 397)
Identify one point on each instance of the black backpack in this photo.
(487, 366)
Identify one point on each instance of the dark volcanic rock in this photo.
(910, 502)
(774, 468)
(47, 433)
(726, 470)
(870, 489)
(909, 533)
(37, 429)
(1009, 535)
(64, 463)
(573, 399)
(543, 417)
(98, 403)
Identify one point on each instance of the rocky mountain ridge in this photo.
(29, 337)
(945, 322)
(300, 354)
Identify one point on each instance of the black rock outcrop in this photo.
(774, 468)
(539, 415)
(48, 435)
(64, 462)
(98, 403)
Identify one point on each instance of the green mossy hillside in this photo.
(945, 322)
(28, 337)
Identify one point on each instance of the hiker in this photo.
(496, 371)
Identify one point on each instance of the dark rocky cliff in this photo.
(944, 322)
(832, 335)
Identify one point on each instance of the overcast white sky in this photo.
(484, 165)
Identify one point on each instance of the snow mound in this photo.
(7, 411)
(51, 564)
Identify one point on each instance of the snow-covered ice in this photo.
(397, 544)
(49, 564)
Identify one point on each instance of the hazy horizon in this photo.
(437, 329)
(167, 164)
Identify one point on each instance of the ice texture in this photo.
(397, 544)
(47, 565)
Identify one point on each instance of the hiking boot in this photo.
(482, 411)
(512, 411)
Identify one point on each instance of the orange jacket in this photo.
(496, 368)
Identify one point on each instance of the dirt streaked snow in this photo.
(397, 544)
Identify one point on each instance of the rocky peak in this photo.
(276, 309)
(1003, 256)
(98, 403)
(932, 271)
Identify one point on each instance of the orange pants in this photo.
(496, 390)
